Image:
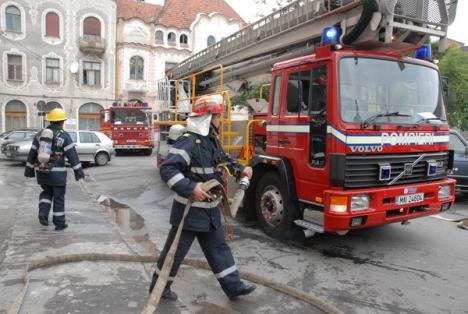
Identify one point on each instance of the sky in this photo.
(248, 10)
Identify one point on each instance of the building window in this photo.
(183, 40)
(92, 28)
(13, 19)
(92, 73)
(211, 40)
(15, 67)
(170, 65)
(136, 68)
(159, 37)
(52, 25)
(15, 115)
(89, 116)
(52, 70)
(171, 39)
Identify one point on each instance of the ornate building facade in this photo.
(56, 53)
(152, 38)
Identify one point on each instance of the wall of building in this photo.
(137, 38)
(32, 44)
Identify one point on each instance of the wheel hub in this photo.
(271, 206)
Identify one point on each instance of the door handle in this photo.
(284, 141)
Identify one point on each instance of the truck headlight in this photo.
(360, 202)
(444, 191)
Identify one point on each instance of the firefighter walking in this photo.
(191, 161)
(46, 161)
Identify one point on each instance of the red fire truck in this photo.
(130, 126)
(349, 147)
(355, 134)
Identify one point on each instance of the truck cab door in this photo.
(303, 126)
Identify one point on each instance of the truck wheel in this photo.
(275, 214)
(101, 159)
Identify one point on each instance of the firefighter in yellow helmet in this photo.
(46, 162)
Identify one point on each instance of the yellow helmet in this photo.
(56, 114)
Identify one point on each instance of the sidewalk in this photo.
(84, 287)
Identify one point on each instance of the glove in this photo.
(29, 172)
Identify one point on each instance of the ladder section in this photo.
(300, 24)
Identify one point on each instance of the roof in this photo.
(175, 13)
(128, 9)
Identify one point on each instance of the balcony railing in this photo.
(92, 44)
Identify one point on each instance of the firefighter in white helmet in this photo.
(191, 161)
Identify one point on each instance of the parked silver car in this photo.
(92, 146)
(17, 135)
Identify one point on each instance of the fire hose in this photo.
(164, 274)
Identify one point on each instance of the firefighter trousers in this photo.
(216, 251)
(53, 195)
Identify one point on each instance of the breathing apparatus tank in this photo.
(45, 148)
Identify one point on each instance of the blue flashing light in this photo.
(425, 52)
(115, 104)
(145, 104)
(331, 35)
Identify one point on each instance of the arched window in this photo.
(91, 28)
(89, 116)
(183, 39)
(171, 39)
(211, 40)
(13, 19)
(47, 107)
(52, 25)
(137, 65)
(15, 115)
(159, 37)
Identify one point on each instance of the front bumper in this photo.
(383, 208)
(16, 156)
(132, 147)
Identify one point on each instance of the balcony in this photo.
(138, 87)
(92, 44)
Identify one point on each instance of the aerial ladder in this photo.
(391, 26)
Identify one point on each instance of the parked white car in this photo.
(92, 146)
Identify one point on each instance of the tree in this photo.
(454, 66)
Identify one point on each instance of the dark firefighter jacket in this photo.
(193, 158)
(62, 146)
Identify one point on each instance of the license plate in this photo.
(409, 199)
(131, 141)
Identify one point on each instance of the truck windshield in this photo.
(129, 116)
(385, 91)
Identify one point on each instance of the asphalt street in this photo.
(417, 268)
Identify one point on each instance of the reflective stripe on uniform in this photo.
(199, 170)
(226, 272)
(69, 147)
(45, 200)
(184, 201)
(30, 165)
(181, 153)
(175, 179)
(34, 147)
(59, 214)
(77, 166)
(157, 271)
(58, 169)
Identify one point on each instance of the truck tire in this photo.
(275, 214)
(101, 159)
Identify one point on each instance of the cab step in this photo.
(309, 226)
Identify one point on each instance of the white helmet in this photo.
(176, 131)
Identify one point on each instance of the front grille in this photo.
(363, 171)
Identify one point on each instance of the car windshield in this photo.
(399, 92)
(129, 116)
